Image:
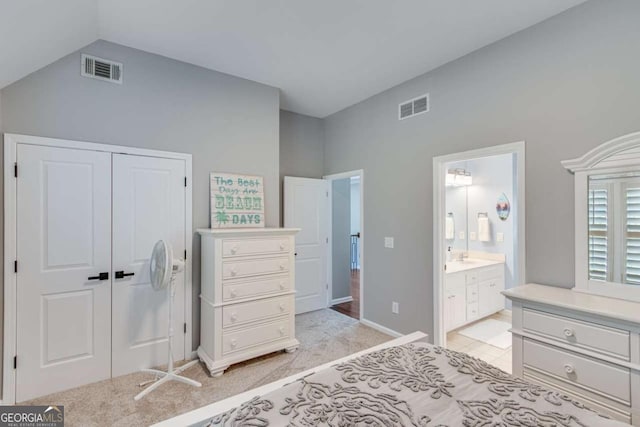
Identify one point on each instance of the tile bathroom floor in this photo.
(490, 354)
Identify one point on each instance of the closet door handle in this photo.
(122, 274)
(101, 276)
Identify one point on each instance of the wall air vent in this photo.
(413, 107)
(101, 69)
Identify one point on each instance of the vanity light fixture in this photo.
(458, 178)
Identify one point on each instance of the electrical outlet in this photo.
(395, 308)
(499, 237)
(461, 235)
(472, 235)
(388, 242)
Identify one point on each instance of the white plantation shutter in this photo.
(598, 234)
(632, 236)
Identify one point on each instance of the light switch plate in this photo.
(461, 235)
(472, 235)
(395, 308)
(500, 237)
(388, 242)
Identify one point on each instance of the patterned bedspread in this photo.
(415, 384)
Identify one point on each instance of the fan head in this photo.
(161, 265)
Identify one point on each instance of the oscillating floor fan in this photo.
(163, 269)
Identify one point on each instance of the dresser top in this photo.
(245, 232)
(628, 311)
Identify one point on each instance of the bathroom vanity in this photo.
(473, 290)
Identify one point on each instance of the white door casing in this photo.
(148, 205)
(64, 226)
(306, 206)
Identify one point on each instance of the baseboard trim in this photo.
(341, 300)
(380, 328)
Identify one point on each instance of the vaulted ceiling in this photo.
(324, 55)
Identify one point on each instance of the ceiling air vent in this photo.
(101, 69)
(413, 107)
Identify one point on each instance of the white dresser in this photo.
(584, 345)
(472, 290)
(247, 295)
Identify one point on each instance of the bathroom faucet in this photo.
(462, 256)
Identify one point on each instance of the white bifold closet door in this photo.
(64, 244)
(148, 205)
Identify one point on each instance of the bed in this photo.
(406, 382)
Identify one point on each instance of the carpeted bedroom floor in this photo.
(324, 335)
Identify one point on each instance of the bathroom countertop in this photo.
(469, 264)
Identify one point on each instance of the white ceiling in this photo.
(324, 55)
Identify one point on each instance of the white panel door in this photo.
(64, 243)
(148, 205)
(306, 206)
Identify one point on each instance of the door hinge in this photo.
(327, 194)
(185, 254)
(185, 181)
(327, 240)
(15, 169)
(185, 328)
(15, 266)
(15, 362)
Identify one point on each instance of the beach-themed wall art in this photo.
(503, 207)
(237, 201)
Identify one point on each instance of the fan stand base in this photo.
(163, 377)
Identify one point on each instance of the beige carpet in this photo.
(324, 336)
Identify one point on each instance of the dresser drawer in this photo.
(472, 293)
(238, 314)
(591, 374)
(245, 268)
(585, 335)
(232, 248)
(255, 336)
(234, 290)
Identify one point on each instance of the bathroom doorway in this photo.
(478, 249)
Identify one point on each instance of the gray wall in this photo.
(228, 124)
(564, 86)
(341, 238)
(301, 147)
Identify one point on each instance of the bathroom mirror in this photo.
(607, 218)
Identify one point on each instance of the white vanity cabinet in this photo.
(585, 346)
(247, 295)
(472, 292)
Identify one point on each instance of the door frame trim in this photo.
(439, 208)
(11, 142)
(330, 178)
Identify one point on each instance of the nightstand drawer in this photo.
(577, 333)
(571, 368)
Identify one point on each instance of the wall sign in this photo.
(237, 201)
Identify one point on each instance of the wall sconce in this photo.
(458, 178)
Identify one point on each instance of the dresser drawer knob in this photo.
(282, 266)
(233, 272)
(233, 317)
(569, 369)
(233, 343)
(281, 329)
(282, 286)
(233, 293)
(282, 246)
(568, 332)
(281, 306)
(234, 249)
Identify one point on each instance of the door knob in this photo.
(122, 274)
(101, 276)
